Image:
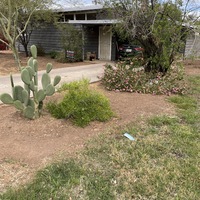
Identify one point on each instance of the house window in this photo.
(80, 16)
(91, 16)
(69, 17)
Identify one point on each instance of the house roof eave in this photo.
(106, 21)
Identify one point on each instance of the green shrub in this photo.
(125, 78)
(75, 85)
(54, 54)
(81, 105)
(71, 40)
(61, 57)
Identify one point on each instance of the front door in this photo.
(105, 37)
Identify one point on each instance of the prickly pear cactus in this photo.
(29, 99)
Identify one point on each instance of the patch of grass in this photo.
(184, 102)
(195, 82)
(49, 183)
(163, 165)
(160, 121)
(188, 108)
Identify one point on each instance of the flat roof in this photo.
(80, 8)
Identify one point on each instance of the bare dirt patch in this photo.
(8, 64)
(27, 145)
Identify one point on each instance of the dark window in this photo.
(80, 16)
(91, 16)
(69, 17)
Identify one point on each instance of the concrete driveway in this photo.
(68, 74)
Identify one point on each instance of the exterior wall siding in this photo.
(48, 37)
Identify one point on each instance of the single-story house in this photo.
(96, 31)
(95, 27)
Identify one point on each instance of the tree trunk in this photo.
(26, 49)
(16, 56)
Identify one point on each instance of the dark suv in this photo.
(128, 50)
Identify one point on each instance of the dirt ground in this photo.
(27, 145)
(8, 63)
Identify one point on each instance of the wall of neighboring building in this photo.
(192, 46)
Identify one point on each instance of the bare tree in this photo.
(10, 16)
(38, 19)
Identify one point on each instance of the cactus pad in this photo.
(29, 112)
(17, 93)
(25, 76)
(56, 80)
(50, 90)
(30, 62)
(40, 95)
(35, 65)
(49, 67)
(6, 98)
(46, 80)
(25, 97)
(34, 51)
(19, 105)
